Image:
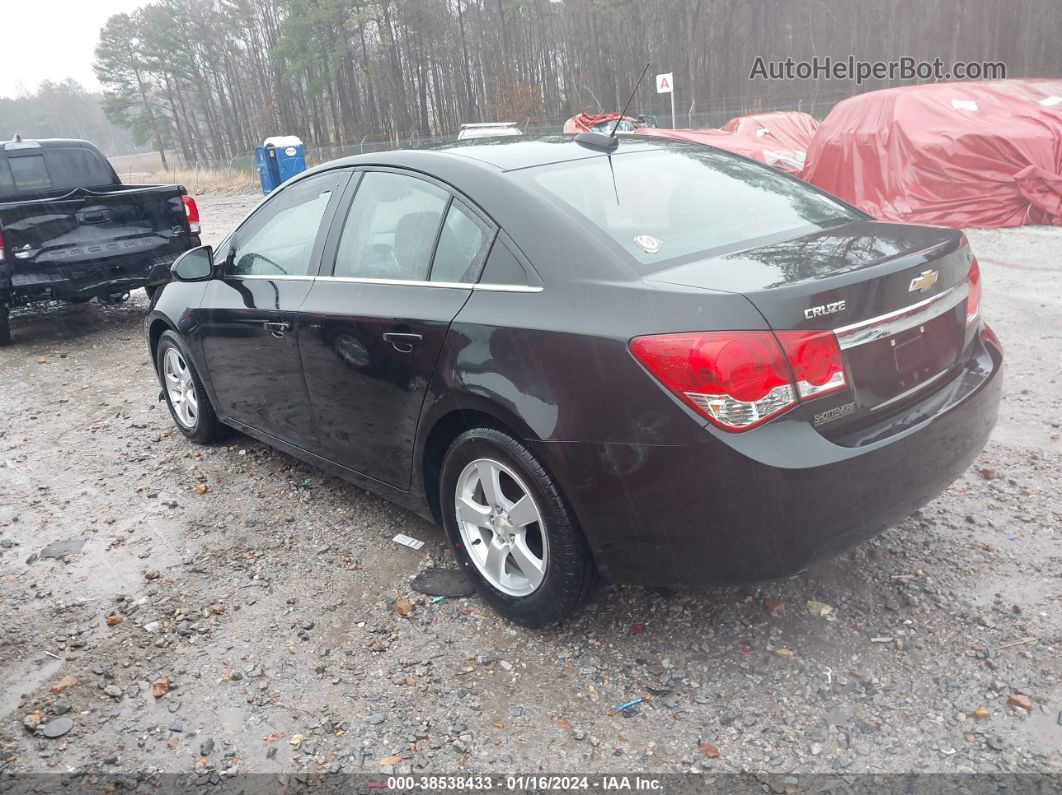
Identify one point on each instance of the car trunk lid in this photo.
(893, 294)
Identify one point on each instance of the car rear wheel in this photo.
(511, 530)
(185, 396)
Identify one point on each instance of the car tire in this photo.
(183, 391)
(5, 325)
(560, 577)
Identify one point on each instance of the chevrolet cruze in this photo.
(645, 362)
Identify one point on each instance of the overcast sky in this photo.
(52, 40)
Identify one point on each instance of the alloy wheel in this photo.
(180, 388)
(501, 527)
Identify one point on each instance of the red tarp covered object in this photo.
(785, 135)
(585, 122)
(778, 139)
(959, 154)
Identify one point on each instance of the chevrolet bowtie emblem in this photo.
(923, 282)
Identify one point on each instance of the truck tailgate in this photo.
(90, 226)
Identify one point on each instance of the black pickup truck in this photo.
(70, 230)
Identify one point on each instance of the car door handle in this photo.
(403, 342)
(276, 328)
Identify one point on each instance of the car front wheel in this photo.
(511, 530)
(185, 396)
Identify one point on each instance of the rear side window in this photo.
(504, 268)
(28, 172)
(7, 182)
(391, 228)
(78, 168)
(463, 245)
(54, 169)
(677, 203)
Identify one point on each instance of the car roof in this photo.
(510, 154)
(48, 143)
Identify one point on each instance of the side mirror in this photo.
(194, 265)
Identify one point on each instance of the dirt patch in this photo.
(267, 602)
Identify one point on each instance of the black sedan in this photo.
(652, 362)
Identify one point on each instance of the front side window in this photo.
(279, 239)
(667, 204)
(391, 228)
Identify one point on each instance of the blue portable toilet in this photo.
(290, 155)
(265, 160)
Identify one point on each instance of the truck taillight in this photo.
(973, 297)
(741, 379)
(191, 209)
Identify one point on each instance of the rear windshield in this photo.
(677, 203)
(40, 170)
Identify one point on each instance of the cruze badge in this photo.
(923, 282)
(824, 309)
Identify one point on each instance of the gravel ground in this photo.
(227, 608)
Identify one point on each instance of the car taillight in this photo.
(2, 250)
(816, 360)
(191, 209)
(741, 379)
(973, 297)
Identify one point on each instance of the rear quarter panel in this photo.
(555, 365)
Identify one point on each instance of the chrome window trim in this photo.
(396, 282)
(494, 288)
(278, 277)
(891, 323)
(931, 380)
(508, 288)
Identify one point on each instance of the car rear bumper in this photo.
(771, 502)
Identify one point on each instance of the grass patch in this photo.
(199, 180)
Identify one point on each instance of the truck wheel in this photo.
(5, 325)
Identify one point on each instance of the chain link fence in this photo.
(238, 173)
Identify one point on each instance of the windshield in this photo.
(675, 203)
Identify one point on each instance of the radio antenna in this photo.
(629, 100)
(608, 143)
